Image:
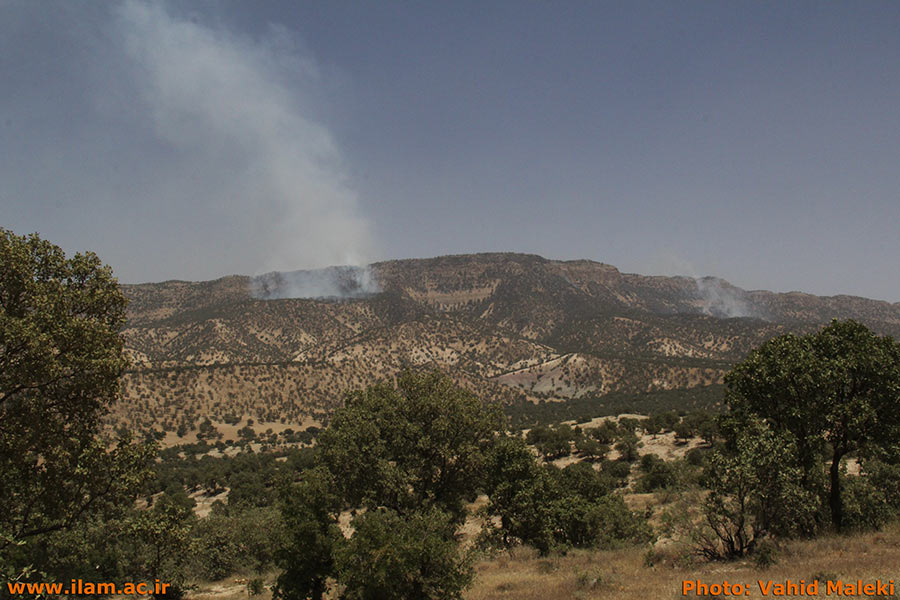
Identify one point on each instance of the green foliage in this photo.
(657, 474)
(524, 413)
(583, 480)
(652, 426)
(602, 523)
(407, 459)
(255, 587)
(884, 477)
(628, 425)
(606, 433)
(249, 489)
(591, 449)
(420, 444)
(866, 504)
(755, 492)
(216, 548)
(163, 537)
(766, 555)
(697, 457)
(400, 557)
(617, 470)
(666, 420)
(552, 509)
(628, 446)
(230, 541)
(310, 510)
(834, 392)
(208, 431)
(60, 358)
(683, 432)
(552, 442)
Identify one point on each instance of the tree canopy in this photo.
(61, 354)
(836, 392)
(404, 459)
(420, 443)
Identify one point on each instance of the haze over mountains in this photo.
(512, 326)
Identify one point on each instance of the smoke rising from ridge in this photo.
(230, 99)
(721, 301)
(333, 282)
(173, 146)
(715, 297)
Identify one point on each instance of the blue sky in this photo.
(756, 141)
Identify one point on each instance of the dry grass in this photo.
(521, 574)
(623, 574)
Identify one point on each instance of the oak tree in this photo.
(61, 354)
(836, 392)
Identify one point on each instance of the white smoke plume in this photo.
(714, 296)
(722, 301)
(235, 107)
(330, 283)
(171, 144)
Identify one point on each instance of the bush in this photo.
(392, 557)
(552, 443)
(226, 542)
(552, 509)
(408, 458)
(697, 457)
(866, 506)
(886, 478)
(606, 433)
(590, 448)
(657, 474)
(755, 492)
(765, 555)
(628, 446)
(215, 550)
(618, 470)
(581, 479)
(604, 523)
(255, 586)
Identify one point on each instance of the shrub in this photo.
(866, 506)
(755, 492)
(255, 586)
(392, 557)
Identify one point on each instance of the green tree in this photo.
(163, 537)
(590, 448)
(683, 432)
(628, 446)
(397, 557)
(311, 510)
(406, 458)
(653, 426)
(657, 474)
(61, 354)
(835, 392)
(605, 433)
(419, 444)
(755, 491)
(550, 508)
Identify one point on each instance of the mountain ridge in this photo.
(517, 327)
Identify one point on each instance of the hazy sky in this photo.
(756, 141)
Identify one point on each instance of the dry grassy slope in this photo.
(509, 325)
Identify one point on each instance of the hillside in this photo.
(512, 326)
